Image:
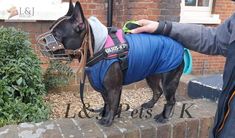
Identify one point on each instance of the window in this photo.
(197, 3)
(198, 11)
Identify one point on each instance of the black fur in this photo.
(71, 33)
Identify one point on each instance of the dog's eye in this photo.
(81, 26)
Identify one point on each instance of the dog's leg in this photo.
(104, 113)
(106, 107)
(153, 82)
(113, 86)
(170, 82)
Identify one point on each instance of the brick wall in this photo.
(138, 125)
(224, 8)
(137, 9)
(204, 64)
(170, 10)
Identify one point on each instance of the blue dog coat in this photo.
(148, 54)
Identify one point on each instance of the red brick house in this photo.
(208, 12)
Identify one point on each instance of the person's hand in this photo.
(147, 26)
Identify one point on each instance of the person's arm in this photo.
(199, 38)
(207, 40)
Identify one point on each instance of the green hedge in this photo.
(21, 82)
(58, 74)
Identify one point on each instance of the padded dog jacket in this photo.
(148, 54)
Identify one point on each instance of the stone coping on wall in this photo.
(202, 112)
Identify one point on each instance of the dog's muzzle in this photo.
(51, 48)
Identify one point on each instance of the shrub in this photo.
(58, 74)
(21, 84)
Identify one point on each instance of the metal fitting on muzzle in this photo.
(51, 48)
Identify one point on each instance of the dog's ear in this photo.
(71, 9)
(78, 17)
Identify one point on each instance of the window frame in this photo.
(198, 14)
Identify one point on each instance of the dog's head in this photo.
(66, 33)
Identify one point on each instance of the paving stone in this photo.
(28, 130)
(9, 132)
(69, 128)
(50, 129)
(200, 108)
(35, 130)
(177, 111)
(89, 128)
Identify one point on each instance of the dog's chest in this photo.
(147, 55)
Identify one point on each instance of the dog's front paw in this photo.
(160, 118)
(147, 105)
(105, 122)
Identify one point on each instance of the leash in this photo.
(82, 86)
(86, 45)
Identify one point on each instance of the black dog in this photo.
(71, 31)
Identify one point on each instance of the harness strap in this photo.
(97, 57)
(73, 52)
(112, 34)
(119, 52)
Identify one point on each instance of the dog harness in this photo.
(147, 55)
(114, 47)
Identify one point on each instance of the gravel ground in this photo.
(59, 101)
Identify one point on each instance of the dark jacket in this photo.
(215, 41)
